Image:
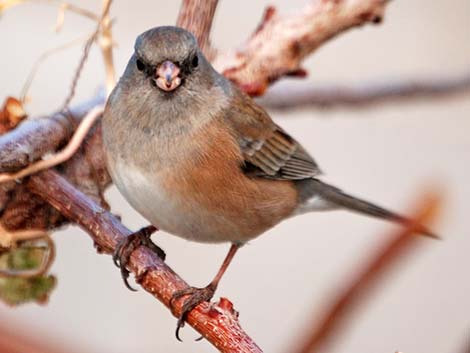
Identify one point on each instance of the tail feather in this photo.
(339, 198)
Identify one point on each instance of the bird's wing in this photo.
(267, 149)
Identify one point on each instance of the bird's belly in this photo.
(152, 200)
(168, 210)
(206, 214)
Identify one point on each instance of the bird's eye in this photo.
(195, 61)
(140, 65)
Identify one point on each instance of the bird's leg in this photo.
(199, 295)
(125, 248)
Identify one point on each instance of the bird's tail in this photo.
(339, 198)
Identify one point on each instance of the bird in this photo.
(200, 159)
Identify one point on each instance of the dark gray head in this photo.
(168, 56)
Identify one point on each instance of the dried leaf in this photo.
(16, 291)
(11, 114)
(19, 290)
(24, 258)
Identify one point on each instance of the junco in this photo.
(200, 159)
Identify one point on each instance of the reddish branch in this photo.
(351, 298)
(218, 323)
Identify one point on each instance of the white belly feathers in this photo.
(160, 206)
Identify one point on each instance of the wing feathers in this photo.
(270, 151)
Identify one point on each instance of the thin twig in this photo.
(218, 323)
(106, 46)
(41, 59)
(86, 50)
(78, 71)
(62, 155)
(64, 6)
(6, 4)
(349, 299)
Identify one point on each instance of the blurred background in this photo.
(283, 280)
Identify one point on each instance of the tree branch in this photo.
(279, 44)
(218, 323)
(35, 137)
(197, 16)
(303, 95)
(60, 157)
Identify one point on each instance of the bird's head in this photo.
(167, 57)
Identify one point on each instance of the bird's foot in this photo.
(125, 248)
(197, 296)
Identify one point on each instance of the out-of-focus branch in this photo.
(467, 345)
(218, 323)
(16, 340)
(301, 95)
(63, 6)
(349, 299)
(197, 16)
(279, 44)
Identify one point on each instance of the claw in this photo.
(127, 245)
(125, 276)
(197, 296)
(179, 324)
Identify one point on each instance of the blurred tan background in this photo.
(280, 281)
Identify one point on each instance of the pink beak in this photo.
(167, 76)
